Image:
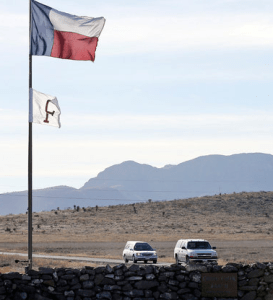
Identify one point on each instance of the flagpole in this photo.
(30, 155)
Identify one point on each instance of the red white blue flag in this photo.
(58, 34)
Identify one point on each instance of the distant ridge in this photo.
(130, 182)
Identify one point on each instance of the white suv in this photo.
(194, 251)
(139, 251)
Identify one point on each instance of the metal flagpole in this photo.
(30, 154)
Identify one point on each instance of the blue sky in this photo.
(172, 80)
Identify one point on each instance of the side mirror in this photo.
(184, 248)
(213, 248)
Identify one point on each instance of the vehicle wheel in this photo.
(125, 259)
(176, 260)
(154, 261)
(145, 261)
(134, 260)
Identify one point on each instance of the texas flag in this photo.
(58, 34)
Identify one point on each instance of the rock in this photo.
(229, 269)
(26, 277)
(249, 296)
(255, 273)
(111, 287)
(134, 278)
(104, 295)
(196, 267)
(88, 284)
(86, 293)
(69, 293)
(150, 276)
(98, 279)
(146, 284)
(134, 293)
(127, 287)
(100, 270)
(46, 271)
(261, 266)
(84, 277)
(253, 281)
(173, 282)
(268, 278)
(195, 277)
(134, 268)
(109, 269)
(269, 296)
(49, 283)
(183, 291)
(168, 296)
(23, 295)
(248, 288)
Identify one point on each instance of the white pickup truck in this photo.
(195, 250)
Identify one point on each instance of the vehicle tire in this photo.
(145, 261)
(176, 260)
(134, 260)
(125, 259)
(154, 261)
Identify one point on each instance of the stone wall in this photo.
(134, 282)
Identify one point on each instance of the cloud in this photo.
(148, 31)
(15, 26)
(158, 33)
(87, 144)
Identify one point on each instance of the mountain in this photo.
(131, 182)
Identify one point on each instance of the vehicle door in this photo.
(125, 251)
(183, 251)
(179, 250)
(131, 251)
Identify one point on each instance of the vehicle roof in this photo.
(193, 240)
(136, 242)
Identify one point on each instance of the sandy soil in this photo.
(228, 251)
(239, 225)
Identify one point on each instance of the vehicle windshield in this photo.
(199, 245)
(143, 247)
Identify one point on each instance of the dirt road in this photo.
(228, 251)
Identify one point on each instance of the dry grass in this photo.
(232, 218)
(8, 264)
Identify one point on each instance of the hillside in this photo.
(238, 218)
(131, 182)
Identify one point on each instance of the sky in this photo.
(172, 80)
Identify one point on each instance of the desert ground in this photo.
(239, 225)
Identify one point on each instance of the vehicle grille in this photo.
(147, 254)
(203, 255)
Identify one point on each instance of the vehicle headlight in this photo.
(138, 254)
(214, 254)
(192, 254)
(155, 253)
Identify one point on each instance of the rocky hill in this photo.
(131, 182)
(239, 224)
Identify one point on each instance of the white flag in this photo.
(44, 109)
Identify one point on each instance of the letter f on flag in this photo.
(44, 109)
